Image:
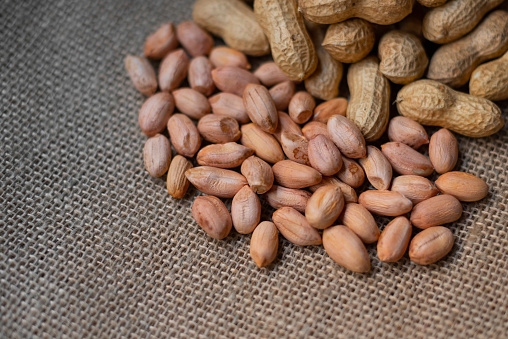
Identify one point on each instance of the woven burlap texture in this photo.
(91, 246)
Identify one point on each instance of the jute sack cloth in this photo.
(91, 246)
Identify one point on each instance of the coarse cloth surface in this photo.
(91, 246)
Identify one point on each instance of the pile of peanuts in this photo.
(282, 133)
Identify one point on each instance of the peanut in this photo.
(346, 249)
(324, 155)
(490, 80)
(286, 125)
(270, 74)
(230, 105)
(292, 48)
(258, 173)
(406, 160)
(234, 22)
(291, 174)
(228, 155)
(430, 245)
(437, 210)
(282, 93)
(184, 135)
(349, 41)
(141, 74)
(369, 105)
(157, 155)
(264, 244)
(359, 220)
(231, 79)
(177, 183)
(377, 168)
(347, 191)
(387, 203)
(463, 186)
(161, 42)
(194, 39)
(351, 173)
(314, 128)
(379, 12)
(245, 210)
(296, 147)
(260, 107)
(346, 135)
(394, 240)
(173, 70)
(155, 112)
(191, 103)
(324, 206)
(295, 228)
(432, 3)
(279, 196)
(200, 75)
(212, 215)
(432, 103)
(443, 151)
(225, 56)
(264, 145)
(216, 181)
(327, 109)
(219, 129)
(453, 63)
(414, 187)
(455, 19)
(403, 59)
(407, 131)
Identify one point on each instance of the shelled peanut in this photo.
(257, 135)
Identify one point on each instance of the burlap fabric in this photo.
(91, 246)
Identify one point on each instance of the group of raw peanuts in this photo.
(313, 189)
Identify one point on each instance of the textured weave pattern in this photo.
(91, 246)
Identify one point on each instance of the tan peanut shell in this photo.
(384, 12)
(194, 39)
(433, 103)
(402, 56)
(155, 112)
(279, 196)
(490, 80)
(177, 183)
(443, 151)
(349, 41)
(346, 248)
(369, 105)
(435, 211)
(295, 228)
(455, 19)
(430, 245)
(234, 22)
(432, 3)
(230, 105)
(453, 63)
(324, 82)
(292, 48)
(394, 240)
(212, 215)
(161, 42)
(264, 244)
(407, 131)
(463, 186)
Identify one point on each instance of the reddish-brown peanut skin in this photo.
(463, 186)
(431, 245)
(184, 135)
(407, 131)
(346, 249)
(155, 112)
(212, 215)
(438, 210)
(443, 151)
(194, 39)
(161, 42)
(394, 240)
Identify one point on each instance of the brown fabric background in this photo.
(91, 246)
